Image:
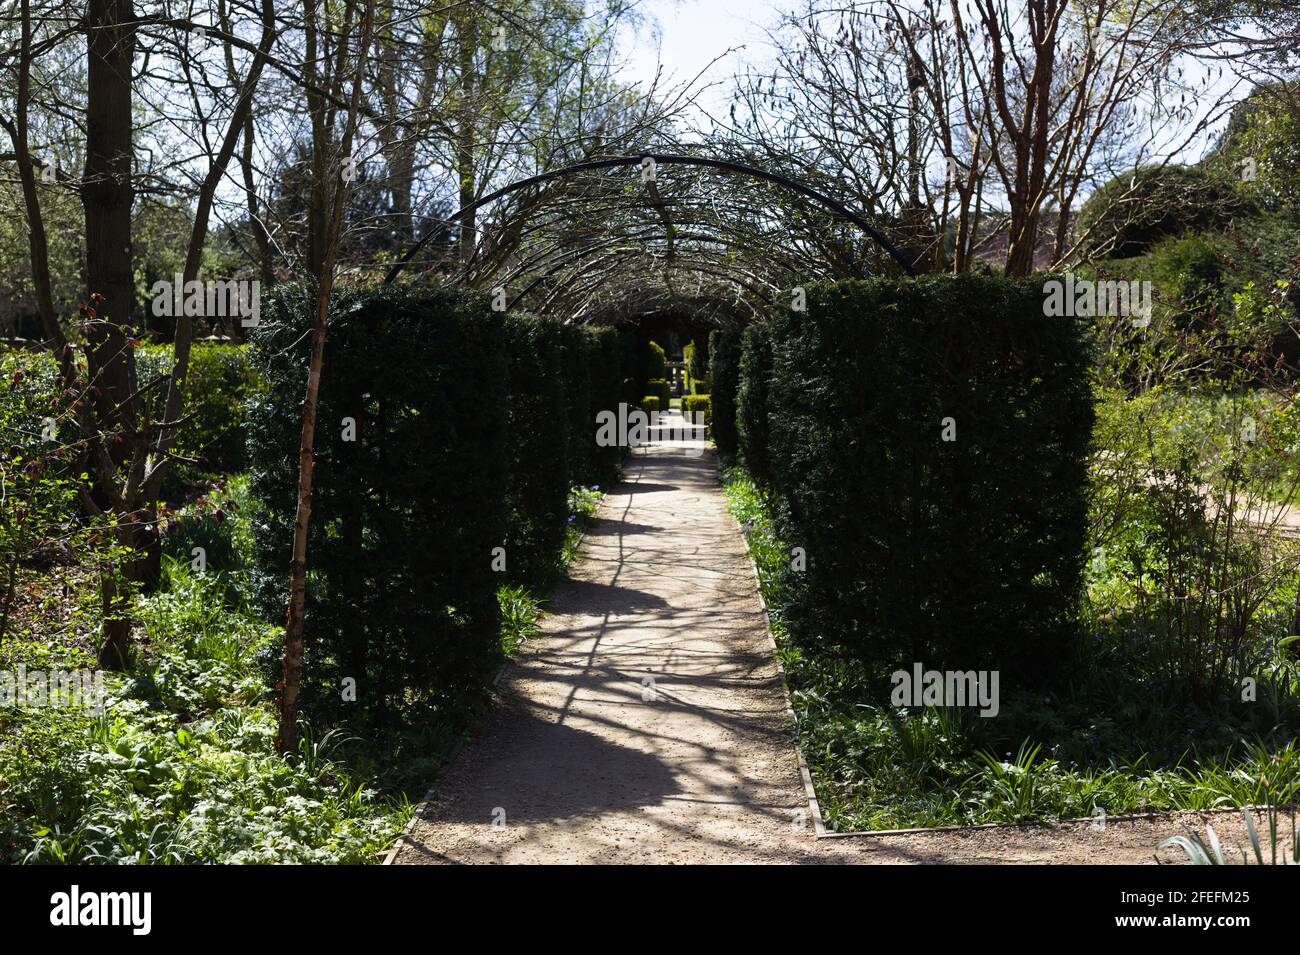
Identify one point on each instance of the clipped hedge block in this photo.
(406, 513)
(724, 373)
(928, 446)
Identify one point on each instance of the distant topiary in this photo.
(657, 363)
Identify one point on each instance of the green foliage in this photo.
(1187, 573)
(878, 767)
(697, 363)
(724, 373)
(605, 364)
(539, 460)
(404, 518)
(661, 389)
(1260, 152)
(650, 403)
(220, 382)
(656, 366)
(920, 548)
(1129, 214)
(40, 473)
(693, 405)
(180, 767)
(751, 401)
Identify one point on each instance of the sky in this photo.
(689, 35)
(686, 36)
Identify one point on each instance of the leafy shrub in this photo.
(698, 364)
(724, 373)
(919, 548)
(697, 404)
(220, 381)
(656, 366)
(1132, 212)
(40, 472)
(404, 518)
(1195, 601)
(650, 403)
(539, 463)
(701, 386)
(751, 401)
(661, 388)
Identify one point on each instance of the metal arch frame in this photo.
(614, 162)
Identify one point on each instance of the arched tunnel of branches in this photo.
(619, 239)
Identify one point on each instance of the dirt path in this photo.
(648, 723)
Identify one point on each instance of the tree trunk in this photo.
(295, 622)
(107, 196)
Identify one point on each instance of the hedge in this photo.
(579, 426)
(696, 404)
(650, 403)
(539, 460)
(402, 595)
(751, 401)
(656, 365)
(606, 355)
(661, 388)
(954, 554)
(724, 371)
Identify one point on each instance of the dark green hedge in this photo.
(579, 423)
(402, 597)
(724, 373)
(697, 404)
(606, 355)
(751, 401)
(952, 554)
(661, 388)
(539, 463)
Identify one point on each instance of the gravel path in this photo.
(648, 723)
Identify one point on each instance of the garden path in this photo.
(648, 721)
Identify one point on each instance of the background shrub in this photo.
(751, 401)
(220, 381)
(724, 372)
(661, 389)
(697, 404)
(1129, 214)
(656, 365)
(401, 593)
(650, 403)
(954, 554)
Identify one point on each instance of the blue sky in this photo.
(688, 34)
